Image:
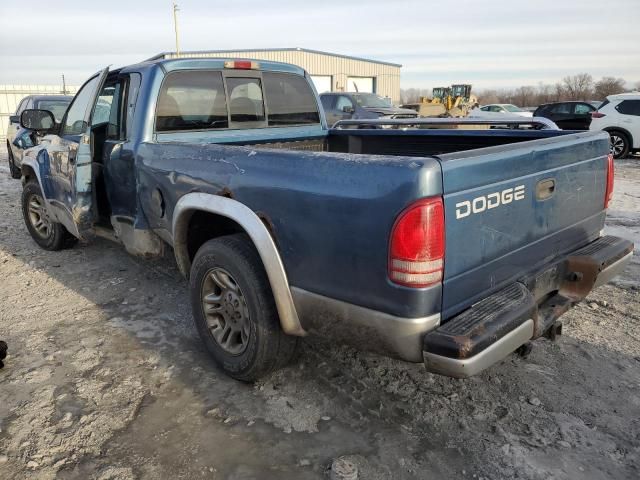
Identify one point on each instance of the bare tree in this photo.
(544, 94)
(608, 86)
(574, 87)
(523, 96)
(412, 95)
(578, 87)
(487, 97)
(559, 92)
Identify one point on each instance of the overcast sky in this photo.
(489, 43)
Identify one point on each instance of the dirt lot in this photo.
(107, 379)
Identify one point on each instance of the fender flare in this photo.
(623, 130)
(60, 214)
(260, 236)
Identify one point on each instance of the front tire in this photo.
(13, 170)
(620, 144)
(47, 233)
(234, 309)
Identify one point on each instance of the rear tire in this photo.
(13, 170)
(619, 143)
(234, 309)
(48, 234)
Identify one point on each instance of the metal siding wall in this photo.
(387, 77)
(10, 96)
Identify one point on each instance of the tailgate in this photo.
(513, 208)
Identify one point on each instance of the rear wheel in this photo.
(619, 144)
(234, 309)
(46, 232)
(13, 170)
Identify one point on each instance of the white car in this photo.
(620, 116)
(499, 110)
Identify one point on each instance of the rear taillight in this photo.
(597, 115)
(608, 194)
(416, 249)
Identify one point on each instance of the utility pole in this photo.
(64, 86)
(175, 26)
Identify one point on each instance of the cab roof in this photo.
(194, 63)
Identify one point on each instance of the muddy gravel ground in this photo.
(107, 379)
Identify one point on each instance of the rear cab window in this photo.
(197, 100)
(290, 101)
(246, 104)
(191, 100)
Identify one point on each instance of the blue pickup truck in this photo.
(446, 246)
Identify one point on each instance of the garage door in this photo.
(360, 84)
(322, 83)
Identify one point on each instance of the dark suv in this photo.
(568, 115)
(346, 106)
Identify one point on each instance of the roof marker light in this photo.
(242, 64)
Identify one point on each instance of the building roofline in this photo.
(306, 50)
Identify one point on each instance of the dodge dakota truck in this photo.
(441, 245)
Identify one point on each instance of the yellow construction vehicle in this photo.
(454, 101)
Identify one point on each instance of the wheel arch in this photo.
(239, 218)
(622, 130)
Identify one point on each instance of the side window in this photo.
(245, 100)
(343, 102)
(191, 100)
(629, 107)
(74, 123)
(485, 109)
(289, 99)
(108, 109)
(582, 108)
(562, 108)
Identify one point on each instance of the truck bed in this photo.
(428, 142)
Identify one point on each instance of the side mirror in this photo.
(42, 121)
(14, 119)
(347, 109)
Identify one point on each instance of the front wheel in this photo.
(46, 232)
(619, 144)
(234, 309)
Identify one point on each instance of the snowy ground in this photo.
(107, 379)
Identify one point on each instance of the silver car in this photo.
(18, 138)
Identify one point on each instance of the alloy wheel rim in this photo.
(38, 216)
(617, 144)
(225, 310)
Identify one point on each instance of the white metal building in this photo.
(330, 72)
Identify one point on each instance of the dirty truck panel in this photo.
(448, 246)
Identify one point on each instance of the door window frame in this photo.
(64, 118)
